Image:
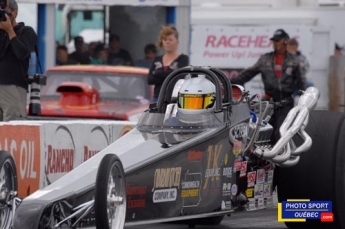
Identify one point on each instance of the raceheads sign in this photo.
(239, 47)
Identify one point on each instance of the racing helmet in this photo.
(196, 96)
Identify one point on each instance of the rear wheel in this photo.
(110, 194)
(8, 189)
(320, 173)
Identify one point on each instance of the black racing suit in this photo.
(279, 90)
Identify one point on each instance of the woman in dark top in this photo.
(163, 65)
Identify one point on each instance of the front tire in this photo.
(320, 173)
(110, 194)
(8, 184)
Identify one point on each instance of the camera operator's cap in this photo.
(78, 39)
(279, 34)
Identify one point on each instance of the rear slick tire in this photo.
(110, 194)
(320, 173)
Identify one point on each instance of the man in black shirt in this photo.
(17, 41)
(117, 55)
(80, 55)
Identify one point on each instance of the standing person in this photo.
(100, 55)
(116, 54)
(62, 56)
(171, 60)
(150, 51)
(281, 76)
(338, 50)
(17, 41)
(80, 55)
(292, 47)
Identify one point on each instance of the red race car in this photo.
(101, 92)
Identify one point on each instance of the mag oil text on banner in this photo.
(25, 144)
(300, 210)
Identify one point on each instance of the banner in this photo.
(240, 47)
(24, 142)
(44, 151)
(113, 2)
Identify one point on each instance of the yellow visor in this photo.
(195, 101)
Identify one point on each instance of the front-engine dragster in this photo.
(201, 152)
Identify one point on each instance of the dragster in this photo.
(196, 171)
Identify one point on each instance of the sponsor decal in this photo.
(226, 189)
(234, 189)
(167, 178)
(269, 202)
(135, 196)
(267, 190)
(237, 165)
(135, 190)
(258, 190)
(195, 155)
(227, 172)
(23, 142)
(226, 205)
(212, 172)
(243, 169)
(251, 178)
(137, 203)
(269, 176)
(251, 204)
(237, 148)
(60, 154)
(189, 193)
(261, 203)
(190, 184)
(239, 132)
(191, 189)
(99, 141)
(164, 195)
(260, 178)
(250, 192)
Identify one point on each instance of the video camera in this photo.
(3, 4)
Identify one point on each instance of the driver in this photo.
(196, 98)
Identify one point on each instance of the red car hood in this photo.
(103, 110)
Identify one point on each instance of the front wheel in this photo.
(8, 189)
(110, 194)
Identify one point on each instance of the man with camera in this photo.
(17, 41)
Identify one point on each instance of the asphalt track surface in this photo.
(261, 219)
